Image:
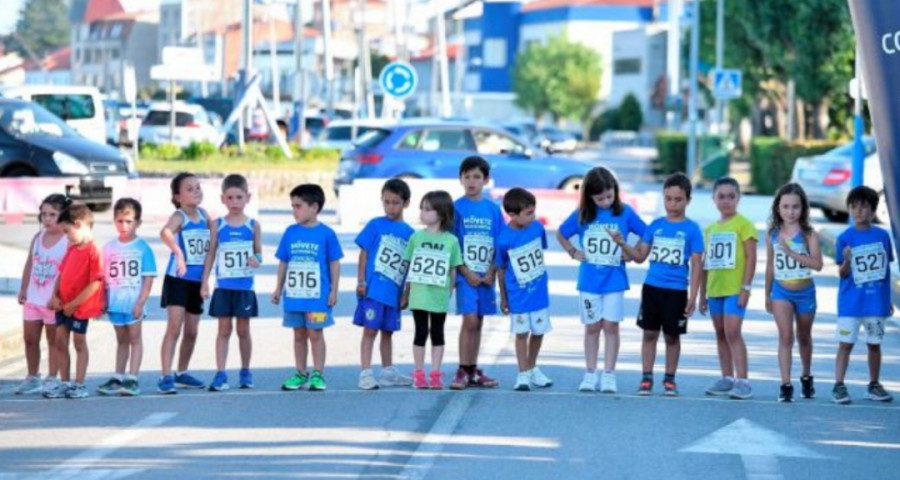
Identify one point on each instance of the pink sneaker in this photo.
(419, 379)
(436, 382)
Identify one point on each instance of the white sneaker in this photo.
(538, 379)
(391, 377)
(49, 383)
(523, 380)
(589, 382)
(32, 384)
(367, 380)
(608, 383)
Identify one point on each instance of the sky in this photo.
(8, 22)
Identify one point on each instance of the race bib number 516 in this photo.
(304, 280)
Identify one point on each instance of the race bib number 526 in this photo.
(429, 267)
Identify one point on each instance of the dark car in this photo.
(36, 143)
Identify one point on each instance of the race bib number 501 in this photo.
(722, 251)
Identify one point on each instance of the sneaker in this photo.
(523, 381)
(245, 379)
(130, 388)
(807, 388)
(840, 395)
(435, 382)
(671, 388)
(219, 382)
(296, 382)
(419, 380)
(721, 388)
(608, 383)
(49, 383)
(460, 381)
(877, 393)
(479, 379)
(32, 384)
(787, 393)
(538, 379)
(317, 382)
(166, 385)
(77, 391)
(741, 390)
(57, 390)
(186, 380)
(391, 377)
(645, 388)
(367, 380)
(111, 387)
(589, 382)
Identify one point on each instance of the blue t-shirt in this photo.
(193, 239)
(125, 265)
(603, 270)
(385, 240)
(521, 254)
(234, 251)
(307, 253)
(671, 246)
(866, 292)
(476, 225)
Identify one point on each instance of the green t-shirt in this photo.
(432, 258)
(724, 258)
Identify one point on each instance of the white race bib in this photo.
(786, 268)
(196, 244)
(479, 252)
(389, 259)
(303, 280)
(600, 249)
(429, 267)
(667, 250)
(124, 269)
(721, 254)
(234, 259)
(527, 261)
(869, 263)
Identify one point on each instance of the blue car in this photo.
(434, 149)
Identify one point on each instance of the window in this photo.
(116, 30)
(160, 118)
(410, 141)
(494, 143)
(113, 53)
(495, 53)
(67, 106)
(87, 55)
(627, 66)
(449, 139)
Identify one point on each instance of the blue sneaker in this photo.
(166, 385)
(219, 383)
(186, 380)
(246, 380)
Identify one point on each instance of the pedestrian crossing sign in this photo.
(726, 83)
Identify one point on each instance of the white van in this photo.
(80, 107)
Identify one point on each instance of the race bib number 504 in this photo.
(196, 244)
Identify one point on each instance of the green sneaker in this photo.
(317, 382)
(130, 388)
(111, 387)
(296, 382)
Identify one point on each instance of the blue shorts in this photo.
(227, 303)
(480, 300)
(804, 301)
(375, 315)
(308, 320)
(75, 325)
(726, 306)
(121, 319)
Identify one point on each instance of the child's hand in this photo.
(69, 309)
(404, 302)
(769, 304)
(472, 278)
(848, 252)
(55, 304)
(332, 299)
(616, 236)
(276, 298)
(689, 308)
(22, 296)
(504, 306)
(253, 262)
(579, 255)
(743, 298)
(361, 289)
(138, 311)
(204, 290)
(180, 265)
(704, 306)
(488, 278)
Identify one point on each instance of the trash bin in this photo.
(715, 152)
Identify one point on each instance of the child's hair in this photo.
(235, 181)
(775, 221)
(726, 181)
(310, 193)
(597, 181)
(473, 162)
(861, 194)
(680, 180)
(441, 202)
(175, 186)
(77, 213)
(58, 201)
(397, 187)
(125, 204)
(517, 199)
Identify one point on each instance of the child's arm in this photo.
(696, 277)
(26, 272)
(361, 287)
(90, 289)
(573, 252)
(334, 269)
(210, 259)
(472, 278)
(279, 282)
(404, 298)
(770, 271)
(501, 281)
(256, 260)
(704, 302)
(138, 311)
(167, 235)
(749, 270)
(638, 253)
(490, 276)
(844, 270)
(55, 302)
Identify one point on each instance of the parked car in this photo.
(36, 143)
(121, 126)
(80, 107)
(826, 179)
(192, 124)
(556, 140)
(339, 133)
(428, 149)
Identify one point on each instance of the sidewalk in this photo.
(11, 262)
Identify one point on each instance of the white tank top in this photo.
(44, 270)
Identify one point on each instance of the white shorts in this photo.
(606, 306)
(535, 323)
(848, 329)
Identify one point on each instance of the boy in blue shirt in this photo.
(524, 290)
(477, 225)
(309, 267)
(380, 276)
(864, 253)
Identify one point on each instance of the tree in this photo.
(629, 113)
(43, 27)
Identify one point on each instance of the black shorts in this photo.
(75, 325)
(177, 292)
(233, 303)
(663, 308)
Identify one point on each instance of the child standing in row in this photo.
(48, 247)
(309, 267)
(792, 252)
(434, 257)
(236, 251)
(602, 280)
(129, 268)
(524, 290)
(381, 273)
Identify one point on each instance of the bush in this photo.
(164, 151)
(772, 160)
(629, 115)
(671, 151)
(608, 120)
(198, 150)
(319, 153)
(273, 151)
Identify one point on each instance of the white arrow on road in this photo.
(758, 447)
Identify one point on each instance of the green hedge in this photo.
(671, 151)
(772, 160)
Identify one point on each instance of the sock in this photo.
(648, 375)
(119, 377)
(838, 384)
(470, 369)
(730, 379)
(670, 377)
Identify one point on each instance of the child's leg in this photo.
(31, 332)
(783, 312)
(611, 344)
(673, 353)
(62, 353)
(123, 344)
(534, 348)
(387, 349)
(592, 345)
(804, 340)
(470, 329)
(191, 326)
(52, 364)
(522, 352)
(81, 357)
(222, 339)
(648, 350)
(300, 349)
(841, 361)
(421, 336)
(874, 362)
(317, 344)
(175, 316)
(366, 345)
(136, 340)
(437, 340)
(475, 338)
(245, 342)
(736, 344)
(722, 347)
